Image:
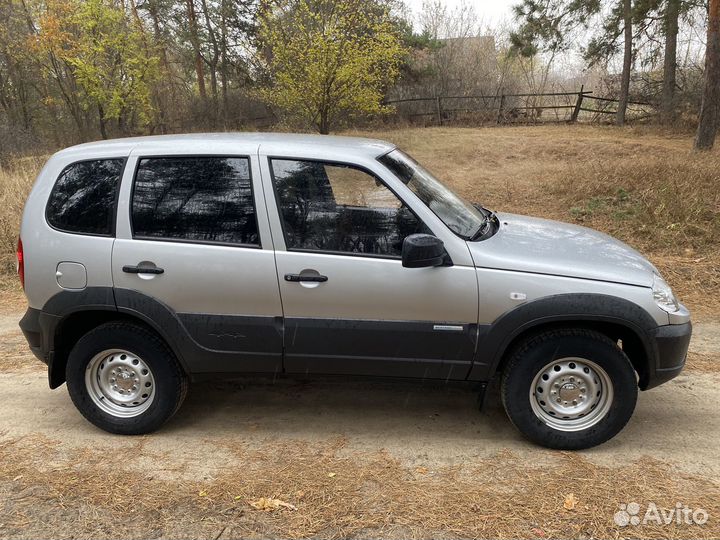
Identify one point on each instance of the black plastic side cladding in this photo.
(407, 349)
(206, 343)
(570, 308)
(56, 309)
(202, 343)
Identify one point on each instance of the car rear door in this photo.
(194, 257)
(350, 306)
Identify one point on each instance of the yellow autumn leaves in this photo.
(329, 60)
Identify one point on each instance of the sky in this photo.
(490, 12)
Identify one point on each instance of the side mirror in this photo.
(422, 251)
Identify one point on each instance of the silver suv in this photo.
(148, 262)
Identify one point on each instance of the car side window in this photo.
(83, 198)
(339, 208)
(195, 199)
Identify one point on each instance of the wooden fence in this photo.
(517, 108)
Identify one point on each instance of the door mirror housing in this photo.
(422, 251)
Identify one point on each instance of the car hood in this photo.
(543, 246)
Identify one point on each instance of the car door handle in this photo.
(142, 270)
(300, 277)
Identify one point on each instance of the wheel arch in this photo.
(626, 338)
(73, 326)
(621, 320)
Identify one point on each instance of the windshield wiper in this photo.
(489, 218)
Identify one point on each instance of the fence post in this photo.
(578, 104)
(500, 108)
(438, 109)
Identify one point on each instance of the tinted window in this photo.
(328, 207)
(202, 199)
(83, 198)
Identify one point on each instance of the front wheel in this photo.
(569, 389)
(124, 379)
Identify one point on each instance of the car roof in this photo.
(221, 143)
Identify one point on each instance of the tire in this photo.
(569, 389)
(125, 379)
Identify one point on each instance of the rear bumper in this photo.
(671, 345)
(31, 329)
(38, 327)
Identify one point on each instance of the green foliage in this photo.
(329, 60)
(548, 25)
(109, 56)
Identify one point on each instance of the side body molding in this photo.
(208, 343)
(575, 308)
(203, 343)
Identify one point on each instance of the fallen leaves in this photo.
(269, 504)
(570, 502)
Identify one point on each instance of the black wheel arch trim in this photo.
(573, 308)
(40, 328)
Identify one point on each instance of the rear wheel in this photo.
(569, 389)
(124, 379)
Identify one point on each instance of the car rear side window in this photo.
(195, 199)
(83, 197)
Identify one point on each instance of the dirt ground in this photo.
(355, 459)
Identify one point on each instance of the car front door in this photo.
(349, 305)
(194, 257)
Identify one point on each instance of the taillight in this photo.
(20, 263)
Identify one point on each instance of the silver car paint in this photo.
(199, 278)
(532, 258)
(541, 246)
(367, 287)
(45, 247)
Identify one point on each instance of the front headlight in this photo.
(663, 295)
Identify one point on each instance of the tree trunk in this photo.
(323, 124)
(195, 41)
(627, 63)
(667, 105)
(212, 63)
(224, 60)
(101, 118)
(708, 126)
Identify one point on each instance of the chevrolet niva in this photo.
(148, 262)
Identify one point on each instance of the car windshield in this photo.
(460, 216)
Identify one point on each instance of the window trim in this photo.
(341, 163)
(134, 236)
(116, 199)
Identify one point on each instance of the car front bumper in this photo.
(671, 344)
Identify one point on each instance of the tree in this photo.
(709, 113)
(670, 27)
(627, 62)
(107, 56)
(550, 25)
(328, 60)
(195, 41)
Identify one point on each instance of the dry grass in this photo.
(94, 492)
(12, 298)
(16, 180)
